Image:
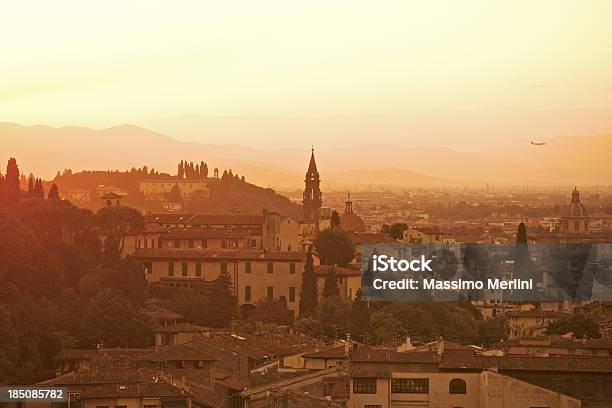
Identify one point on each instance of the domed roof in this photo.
(575, 209)
(351, 222)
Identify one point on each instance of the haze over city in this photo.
(267, 74)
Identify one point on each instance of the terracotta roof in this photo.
(340, 271)
(231, 380)
(199, 233)
(111, 196)
(467, 360)
(535, 313)
(369, 238)
(181, 352)
(226, 219)
(159, 389)
(166, 253)
(336, 352)
(169, 218)
(351, 222)
(255, 346)
(367, 354)
(182, 328)
(75, 354)
(163, 314)
(93, 377)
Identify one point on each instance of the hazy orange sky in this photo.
(100, 64)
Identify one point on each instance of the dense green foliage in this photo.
(580, 326)
(334, 247)
(55, 291)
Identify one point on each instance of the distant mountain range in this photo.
(566, 160)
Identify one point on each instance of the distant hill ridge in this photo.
(564, 160)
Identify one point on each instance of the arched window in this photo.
(457, 386)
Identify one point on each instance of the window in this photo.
(223, 267)
(566, 387)
(191, 243)
(410, 385)
(607, 387)
(270, 267)
(456, 386)
(170, 268)
(204, 243)
(184, 269)
(588, 388)
(145, 244)
(247, 267)
(177, 243)
(198, 272)
(364, 385)
(270, 292)
(247, 293)
(292, 268)
(291, 294)
(253, 243)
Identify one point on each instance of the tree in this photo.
(334, 247)
(330, 288)
(31, 186)
(38, 191)
(308, 293)
(53, 193)
(395, 230)
(360, 318)
(579, 325)
(385, 327)
(111, 318)
(181, 170)
(175, 193)
(119, 221)
(11, 190)
(335, 219)
(272, 311)
(111, 253)
(523, 266)
(220, 302)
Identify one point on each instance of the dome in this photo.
(352, 222)
(575, 209)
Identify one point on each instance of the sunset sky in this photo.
(105, 63)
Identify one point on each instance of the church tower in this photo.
(312, 193)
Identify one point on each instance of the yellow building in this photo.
(156, 190)
(255, 274)
(348, 280)
(386, 378)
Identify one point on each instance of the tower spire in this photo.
(312, 192)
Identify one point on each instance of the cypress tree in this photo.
(220, 302)
(331, 289)
(360, 317)
(12, 192)
(31, 186)
(335, 219)
(53, 192)
(308, 293)
(38, 191)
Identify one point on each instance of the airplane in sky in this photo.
(538, 143)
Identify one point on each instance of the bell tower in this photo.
(312, 192)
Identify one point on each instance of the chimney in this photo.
(440, 346)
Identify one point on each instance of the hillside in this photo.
(563, 161)
(227, 194)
